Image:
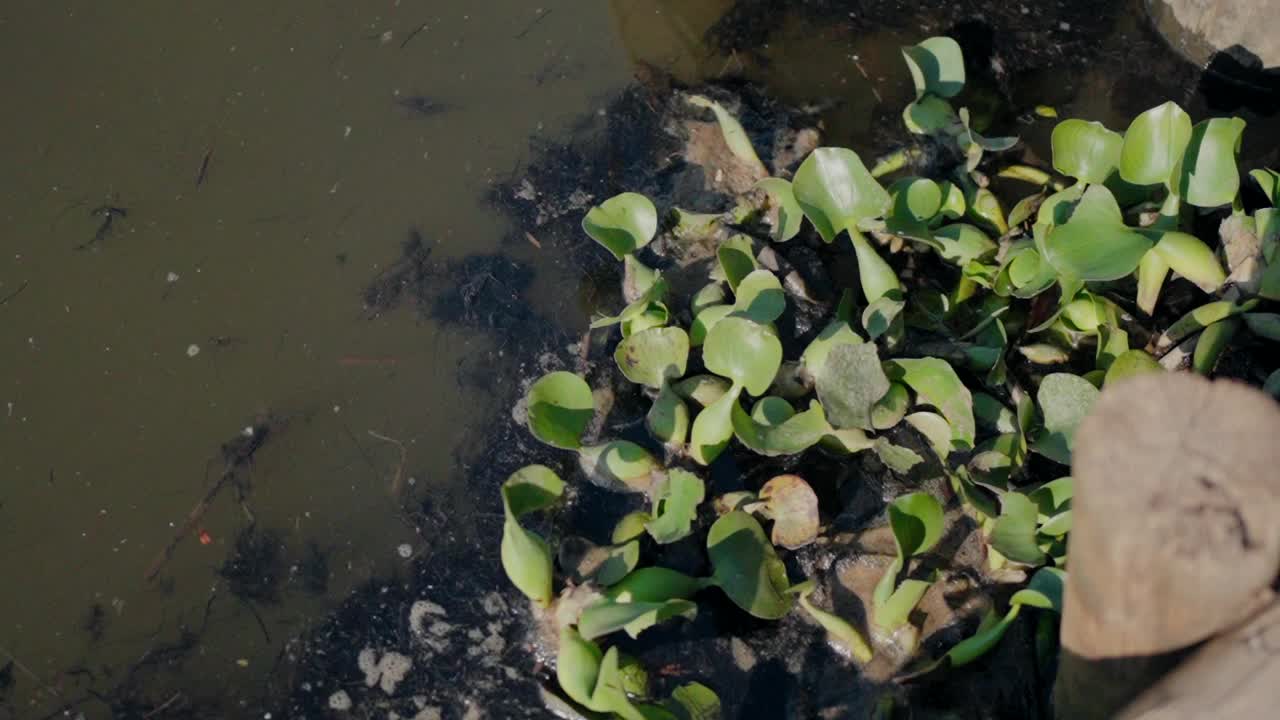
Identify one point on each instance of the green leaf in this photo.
(1154, 145)
(709, 295)
(937, 67)
(993, 414)
(583, 560)
(637, 278)
(917, 523)
(703, 389)
(1087, 151)
(746, 566)
(793, 506)
(593, 681)
(1045, 591)
(929, 115)
(897, 458)
(889, 410)
(1198, 319)
(961, 244)
(675, 506)
(835, 191)
(794, 434)
(837, 332)
(1212, 342)
(759, 297)
(704, 321)
(633, 617)
(560, 407)
(623, 223)
(713, 428)
(844, 632)
(654, 584)
(1269, 181)
(630, 527)
(1264, 325)
(935, 429)
(746, 352)
(1095, 244)
(851, 382)
(734, 135)
(1131, 364)
(526, 558)
(790, 216)
(1064, 400)
(694, 701)
(880, 315)
(1206, 175)
(875, 276)
(620, 466)
(668, 418)
(1192, 259)
(937, 384)
(896, 608)
(916, 201)
(737, 259)
(1014, 533)
(652, 357)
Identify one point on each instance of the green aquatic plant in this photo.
(973, 341)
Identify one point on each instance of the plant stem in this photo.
(1026, 173)
(895, 161)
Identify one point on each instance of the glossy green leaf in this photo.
(583, 560)
(591, 678)
(835, 191)
(961, 243)
(734, 135)
(655, 584)
(704, 321)
(840, 629)
(935, 429)
(793, 506)
(560, 407)
(654, 356)
(1212, 342)
(1269, 181)
(637, 278)
(1154, 144)
(620, 466)
(788, 436)
(675, 506)
(896, 607)
(711, 294)
(936, 383)
(790, 216)
(1014, 532)
(1264, 325)
(746, 566)
(746, 352)
(668, 418)
(937, 66)
(1064, 400)
(623, 223)
(992, 414)
(917, 523)
(1198, 319)
(759, 297)
(880, 317)
(526, 558)
(1087, 151)
(694, 701)
(889, 410)
(850, 383)
(897, 458)
(703, 389)
(1095, 244)
(630, 527)
(875, 276)
(737, 258)
(1130, 364)
(713, 428)
(837, 332)
(1206, 175)
(1189, 257)
(633, 617)
(929, 115)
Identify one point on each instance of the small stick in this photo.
(27, 671)
(397, 481)
(166, 704)
(530, 26)
(413, 34)
(193, 519)
(15, 293)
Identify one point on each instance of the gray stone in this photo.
(1198, 28)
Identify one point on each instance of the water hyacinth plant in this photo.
(972, 340)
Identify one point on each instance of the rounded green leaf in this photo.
(1189, 257)
(1212, 342)
(851, 382)
(937, 66)
(1045, 591)
(634, 617)
(929, 115)
(560, 407)
(835, 191)
(654, 584)
(526, 558)
(713, 428)
(1064, 400)
(529, 489)
(790, 216)
(623, 223)
(961, 244)
(630, 527)
(759, 297)
(1087, 151)
(746, 566)
(638, 279)
(1206, 175)
(620, 466)
(937, 384)
(1130, 364)
(1095, 244)
(1154, 144)
(737, 259)
(583, 560)
(709, 295)
(1264, 325)
(746, 352)
(675, 506)
(917, 523)
(837, 332)
(653, 356)
(1014, 532)
(1269, 181)
(935, 429)
(771, 431)
(693, 701)
(703, 389)
(704, 321)
(668, 419)
(915, 198)
(889, 410)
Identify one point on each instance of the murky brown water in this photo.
(269, 172)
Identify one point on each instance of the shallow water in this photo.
(269, 173)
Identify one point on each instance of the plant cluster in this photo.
(1059, 282)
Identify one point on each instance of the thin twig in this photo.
(412, 35)
(533, 24)
(167, 703)
(27, 671)
(15, 293)
(397, 480)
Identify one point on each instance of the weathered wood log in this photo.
(1176, 531)
(1234, 676)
